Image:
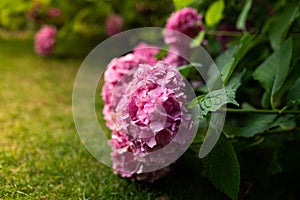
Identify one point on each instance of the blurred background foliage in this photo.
(84, 17)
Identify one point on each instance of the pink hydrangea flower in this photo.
(116, 77)
(187, 21)
(113, 24)
(152, 123)
(148, 52)
(45, 40)
(176, 55)
(118, 74)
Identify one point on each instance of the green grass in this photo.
(41, 156)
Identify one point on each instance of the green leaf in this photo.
(241, 22)
(291, 79)
(182, 3)
(281, 24)
(222, 168)
(161, 54)
(185, 70)
(294, 94)
(284, 122)
(244, 47)
(213, 77)
(198, 39)
(254, 124)
(214, 100)
(236, 81)
(214, 13)
(273, 71)
(226, 56)
(251, 125)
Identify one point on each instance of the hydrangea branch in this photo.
(225, 33)
(263, 111)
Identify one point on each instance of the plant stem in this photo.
(263, 111)
(197, 142)
(224, 33)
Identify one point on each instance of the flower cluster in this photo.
(113, 24)
(144, 103)
(119, 72)
(151, 123)
(45, 40)
(39, 13)
(186, 21)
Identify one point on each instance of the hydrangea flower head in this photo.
(45, 40)
(119, 73)
(152, 123)
(186, 21)
(113, 24)
(116, 77)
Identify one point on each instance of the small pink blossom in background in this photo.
(54, 12)
(44, 40)
(187, 21)
(35, 13)
(113, 24)
(149, 114)
(117, 75)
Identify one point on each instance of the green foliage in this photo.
(259, 69)
(182, 3)
(226, 57)
(222, 168)
(294, 94)
(85, 18)
(281, 24)
(214, 100)
(244, 46)
(185, 70)
(241, 22)
(252, 125)
(198, 39)
(11, 15)
(214, 13)
(256, 48)
(235, 81)
(272, 73)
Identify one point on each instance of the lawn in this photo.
(41, 155)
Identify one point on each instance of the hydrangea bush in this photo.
(145, 105)
(259, 67)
